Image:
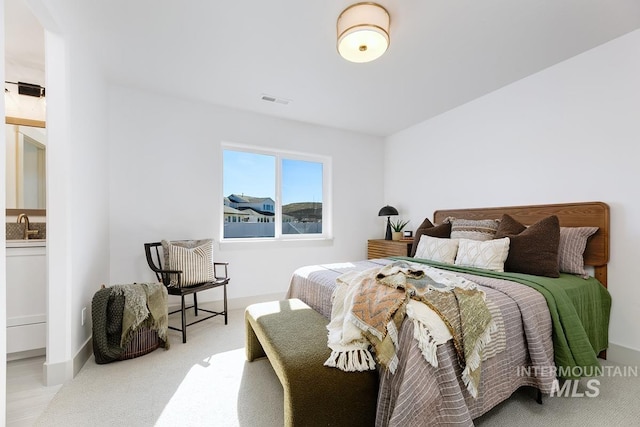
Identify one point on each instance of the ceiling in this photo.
(443, 53)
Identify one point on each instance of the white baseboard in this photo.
(83, 355)
(623, 355)
(26, 354)
(58, 373)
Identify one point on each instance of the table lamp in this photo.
(388, 211)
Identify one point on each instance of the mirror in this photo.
(26, 142)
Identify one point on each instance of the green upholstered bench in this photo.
(294, 338)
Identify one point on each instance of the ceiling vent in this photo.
(274, 99)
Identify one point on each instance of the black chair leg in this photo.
(195, 303)
(184, 322)
(225, 304)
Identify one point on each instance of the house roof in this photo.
(248, 199)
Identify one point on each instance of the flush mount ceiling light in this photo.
(363, 32)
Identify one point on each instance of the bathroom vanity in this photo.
(26, 298)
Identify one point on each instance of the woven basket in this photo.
(144, 341)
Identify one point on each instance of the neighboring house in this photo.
(235, 215)
(254, 216)
(251, 209)
(237, 209)
(259, 204)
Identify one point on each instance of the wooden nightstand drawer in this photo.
(380, 248)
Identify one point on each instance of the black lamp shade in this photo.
(388, 211)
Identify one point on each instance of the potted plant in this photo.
(397, 227)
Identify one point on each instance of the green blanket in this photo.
(579, 311)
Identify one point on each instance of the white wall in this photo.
(3, 258)
(165, 158)
(77, 202)
(89, 176)
(566, 134)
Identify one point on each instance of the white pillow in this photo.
(437, 249)
(489, 254)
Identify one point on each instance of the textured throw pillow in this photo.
(533, 249)
(427, 228)
(509, 226)
(437, 249)
(487, 254)
(182, 243)
(573, 241)
(473, 229)
(196, 263)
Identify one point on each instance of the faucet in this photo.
(27, 232)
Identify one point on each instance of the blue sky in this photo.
(254, 175)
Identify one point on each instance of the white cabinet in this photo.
(26, 296)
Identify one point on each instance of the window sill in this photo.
(248, 243)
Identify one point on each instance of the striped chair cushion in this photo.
(196, 263)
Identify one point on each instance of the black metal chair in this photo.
(155, 261)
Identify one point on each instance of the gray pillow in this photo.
(573, 241)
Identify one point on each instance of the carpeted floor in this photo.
(208, 382)
(205, 382)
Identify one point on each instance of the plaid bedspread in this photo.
(418, 394)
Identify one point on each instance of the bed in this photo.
(529, 346)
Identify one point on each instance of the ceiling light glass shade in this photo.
(363, 32)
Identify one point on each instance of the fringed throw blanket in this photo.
(368, 308)
(119, 311)
(143, 302)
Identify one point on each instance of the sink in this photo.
(26, 243)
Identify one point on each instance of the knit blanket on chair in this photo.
(369, 307)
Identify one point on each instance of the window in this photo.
(274, 194)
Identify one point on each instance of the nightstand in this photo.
(380, 248)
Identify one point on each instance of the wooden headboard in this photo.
(587, 214)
